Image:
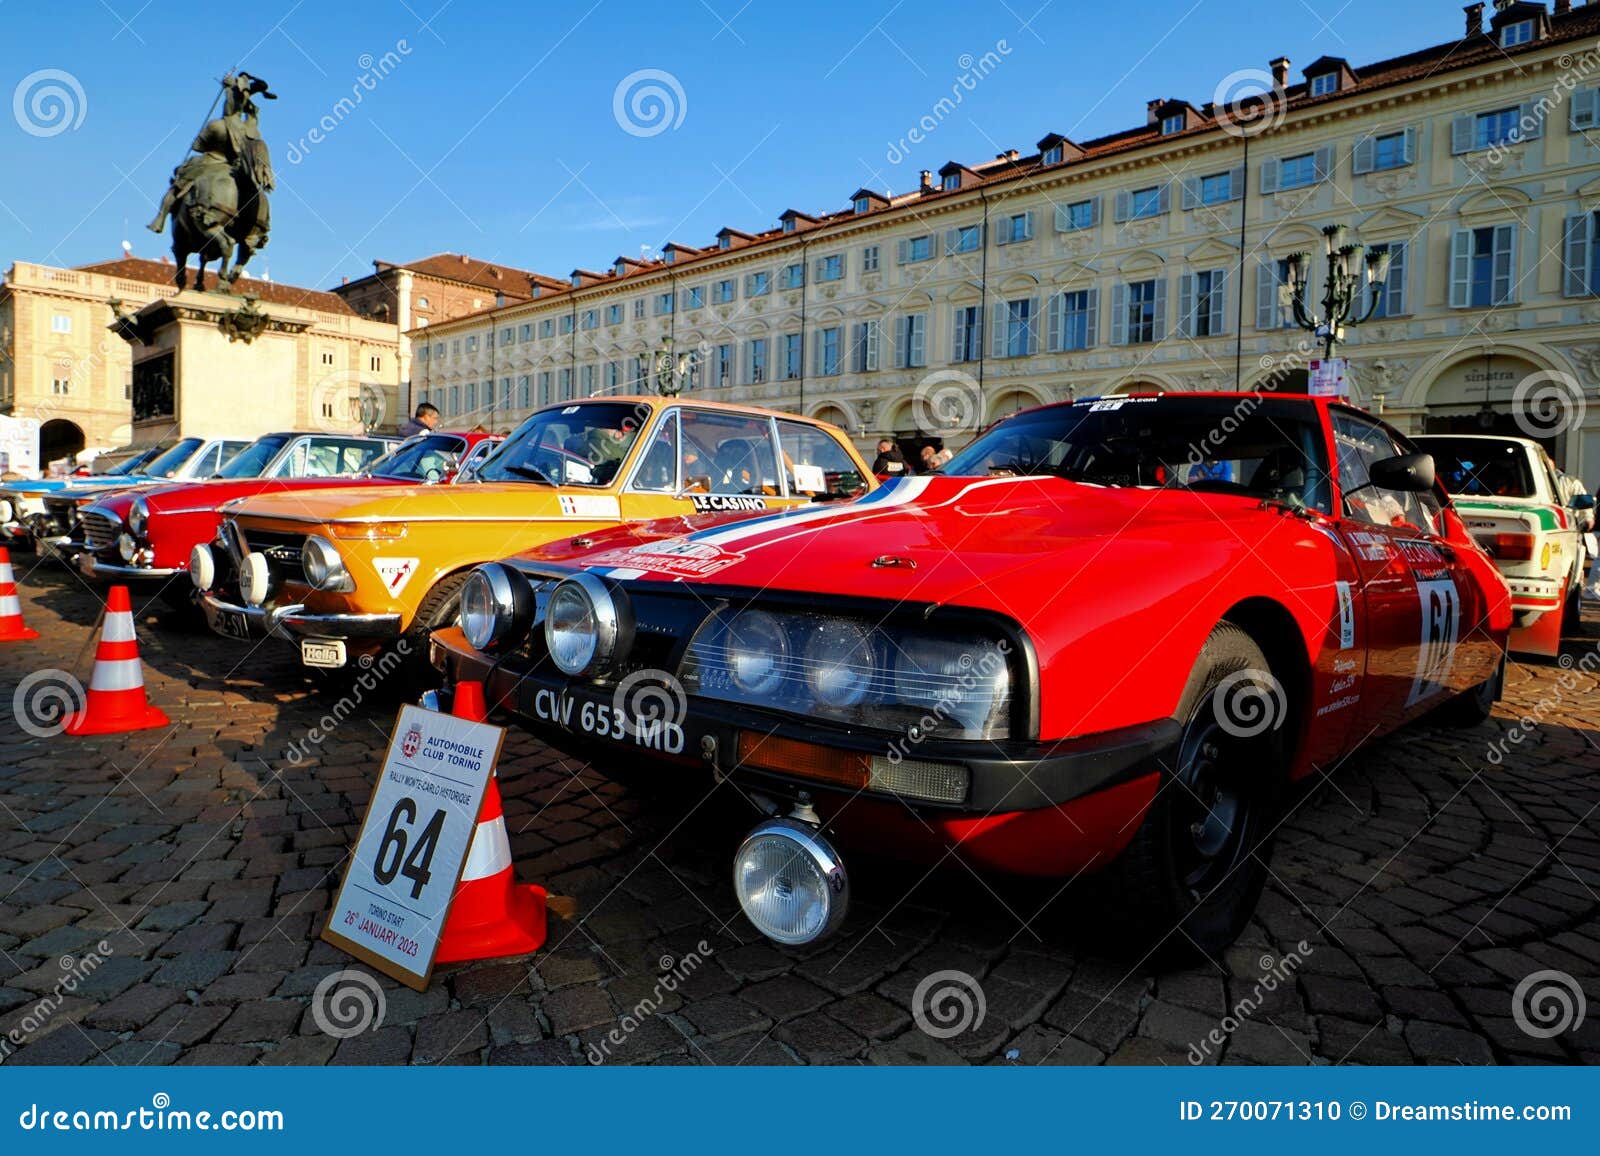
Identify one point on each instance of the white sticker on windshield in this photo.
(1108, 403)
(810, 479)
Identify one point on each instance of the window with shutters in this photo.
(722, 366)
(505, 393)
(566, 324)
(636, 373)
(828, 351)
(1144, 203)
(1138, 318)
(453, 406)
(1078, 215)
(1072, 320)
(470, 393)
(965, 239)
(544, 388)
(1499, 127)
(1579, 252)
(914, 249)
(663, 304)
(1273, 308)
(506, 336)
(1392, 301)
(613, 314)
(1203, 303)
(1216, 188)
(869, 259)
(864, 347)
(1483, 267)
(564, 384)
(1298, 171)
(590, 319)
(472, 347)
(722, 292)
(1392, 150)
(757, 284)
(1017, 227)
(830, 268)
(60, 323)
(694, 297)
(613, 375)
(1015, 332)
(1324, 83)
(755, 361)
(791, 356)
(638, 308)
(1584, 111)
(524, 392)
(968, 334)
(910, 341)
(794, 276)
(587, 377)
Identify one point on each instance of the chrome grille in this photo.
(282, 550)
(99, 531)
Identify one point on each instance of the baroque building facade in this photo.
(1153, 258)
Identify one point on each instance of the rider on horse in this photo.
(232, 139)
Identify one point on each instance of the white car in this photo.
(1515, 503)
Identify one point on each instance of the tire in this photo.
(1192, 875)
(1572, 604)
(1473, 707)
(439, 608)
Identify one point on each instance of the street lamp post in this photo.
(1346, 275)
(670, 372)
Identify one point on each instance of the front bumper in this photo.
(91, 566)
(1004, 777)
(292, 621)
(62, 548)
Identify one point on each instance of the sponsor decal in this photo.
(1347, 616)
(395, 572)
(679, 559)
(591, 506)
(1441, 625)
(412, 742)
(1108, 403)
(710, 503)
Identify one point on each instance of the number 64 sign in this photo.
(402, 875)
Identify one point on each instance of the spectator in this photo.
(425, 419)
(890, 462)
(932, 458)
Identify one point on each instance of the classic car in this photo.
(342, 575)
(1108, 634)
(1515, 504)
(148, 534)
(21, 502)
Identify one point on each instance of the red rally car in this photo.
(150, 534)
(1109, 634)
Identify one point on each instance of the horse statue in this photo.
(218, 197)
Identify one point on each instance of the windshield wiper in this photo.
(532, 473)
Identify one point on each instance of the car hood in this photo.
(193, 497)
(976, 541)
(414, 503)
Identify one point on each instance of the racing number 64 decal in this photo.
(1441, 627)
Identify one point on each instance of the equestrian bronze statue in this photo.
(218, 197)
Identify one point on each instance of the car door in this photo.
(700, 461)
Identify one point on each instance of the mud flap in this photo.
(1542, 638)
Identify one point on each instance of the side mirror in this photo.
(1409, 473)
(1582, 502)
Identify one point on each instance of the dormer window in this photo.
(577, 280)
(1514, 34)
(670, 255)
(863, 205)
(724, 242)
(950, 182)
(1052, 155)
(1323, 84)
(620, 268)
(1172, 124)
(788, 225)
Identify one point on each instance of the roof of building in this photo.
(1450, 56)
(469, 270)
(162, 273)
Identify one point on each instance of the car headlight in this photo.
(126, 546)
(202, 567)
(139, 517)
(583, 625)
(323, 567)
(755, 649)
(497, 607)
(8, 512)
(255, 578)
(953, 680)
(839, 661)
(790, 882)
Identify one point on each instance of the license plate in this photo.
(233, 624)
(314, 652)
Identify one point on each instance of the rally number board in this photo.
(401, 878)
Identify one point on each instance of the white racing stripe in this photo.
(490, 853)
(896, 495)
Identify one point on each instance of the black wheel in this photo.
(1473, 707)
(1572, 605)
(441, 607)
(179, 594)
(1190, 879)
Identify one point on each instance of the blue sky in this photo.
(491, 129)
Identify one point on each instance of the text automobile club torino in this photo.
(343, 575)
(1109, 634)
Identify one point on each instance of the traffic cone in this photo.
(11, 627)
(116, 701)
(492, 915)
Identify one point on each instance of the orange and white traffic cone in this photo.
(493, 915)
(116, 701)
(11, 627)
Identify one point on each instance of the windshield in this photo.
(429, 458)
(1479, 467)
(1249, 445)
(254, 458)
(121, 469)
(173, 460)
(578, 445)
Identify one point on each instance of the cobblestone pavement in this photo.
(1427, 878)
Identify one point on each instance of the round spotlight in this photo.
(496, 606)
(126, 546)
(255, 579)
(755, 649)
(790, 882)
(582, 625)
(202, 567)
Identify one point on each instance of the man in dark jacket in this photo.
(425, 419)
(890, 462)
